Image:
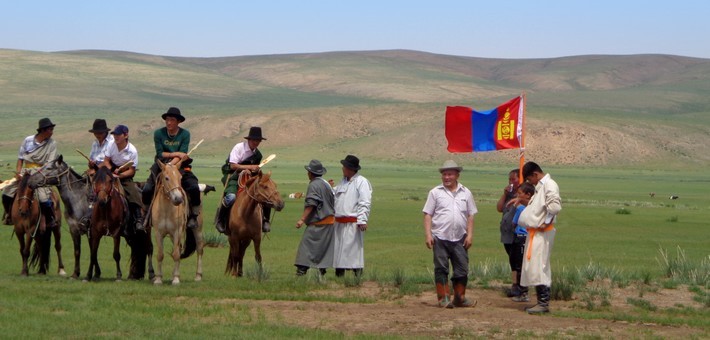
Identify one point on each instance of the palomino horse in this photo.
(169, 218)
(109, 217)
(74, 189)
(245, 219)
(29, 225)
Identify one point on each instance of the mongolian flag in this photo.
(501, 128)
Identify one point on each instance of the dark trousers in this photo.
(450, 251)
(189, 183)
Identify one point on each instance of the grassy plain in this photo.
(589, 231)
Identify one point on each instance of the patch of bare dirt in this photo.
(495, 315)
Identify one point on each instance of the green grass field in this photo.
(590, 230)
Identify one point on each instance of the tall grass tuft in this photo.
(682, 270)
(487, 271)
(565, 283)
(258, 272)
(623, 211)
(215, 240)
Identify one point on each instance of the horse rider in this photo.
(171, 146)
(120, 152)
(35, 150)
(100, 144)
(244, 156)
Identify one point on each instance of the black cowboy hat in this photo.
(174, 112)
(45, 123)
(351, 162)
(255, 133)
(100, 126)
(315, 167)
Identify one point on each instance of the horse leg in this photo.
(76, 238)
(257, 251)
(117, 256)
(159, 243)
(199, 240)
(149, 251)
(24, 253)
(243, 245)
(176, 258)
(58, 247)
(94, 272)
(232, 261)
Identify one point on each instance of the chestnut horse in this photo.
(109, 218)
(169, 218)
(245, 219)
(30, 225)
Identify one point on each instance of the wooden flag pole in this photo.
(522, 138)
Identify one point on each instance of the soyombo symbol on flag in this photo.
(501, 128)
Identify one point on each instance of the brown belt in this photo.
(346, 219)
(328, 220)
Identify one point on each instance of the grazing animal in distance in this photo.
(295, 195)
(673, 197)
(652, 194)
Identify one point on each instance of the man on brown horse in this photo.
(244, 156)
(118, 154)
(171, 146)
(34, 152)
(99, 148)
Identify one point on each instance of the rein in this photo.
(255, 193)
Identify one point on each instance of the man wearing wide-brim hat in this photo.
(244, 156)
(316, 247)
(172, 143)
(353, 197)
(35, 150)
(101, 143)
(448, 228)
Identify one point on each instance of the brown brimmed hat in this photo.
(99, 126)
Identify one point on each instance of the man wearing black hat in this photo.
(244, 156)
(316, 247)
(101, 143)
(171, 146)
(119, 153)
(353, 197)
(34, 152)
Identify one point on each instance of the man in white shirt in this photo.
(100, 145)
(448, 228)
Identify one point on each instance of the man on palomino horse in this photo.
(120, 152)
(244, 156)
(171, 146)
(34, 152)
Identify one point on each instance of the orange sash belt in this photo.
(328, 220)
(346, 219)
(531, 236)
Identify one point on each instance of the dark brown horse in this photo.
(109, 218)
(30, 225)
(245, 219)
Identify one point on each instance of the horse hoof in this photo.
(119, 280)
(158, 282)
(198, 278)
(176, 282)
(84, 280)
(62, 273)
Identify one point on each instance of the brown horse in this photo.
(108, 218)
(29, 225)
(245, 219)
(169, 218)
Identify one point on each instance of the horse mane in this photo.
(23, 183)
(101, 174)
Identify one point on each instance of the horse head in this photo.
(49, 173)
(171, 179)
(266, 192)
(24, 196)
(103, 185)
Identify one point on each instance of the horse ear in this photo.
(60, 158)
(160, 164)
(265, 177)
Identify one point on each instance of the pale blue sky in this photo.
(494, 28)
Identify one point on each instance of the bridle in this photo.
(167, 189)
(253, 192)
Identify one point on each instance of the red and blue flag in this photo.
(468, 130)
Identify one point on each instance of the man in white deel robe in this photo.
(539, 217)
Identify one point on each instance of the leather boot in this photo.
(222, 218)
(543, 300)
(442, 294)
(7, 204)
(138, 218)
(192, 219)
(47, 209)
(460, 299)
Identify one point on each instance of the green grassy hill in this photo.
(624, 111)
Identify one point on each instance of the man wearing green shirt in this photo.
(171, 146)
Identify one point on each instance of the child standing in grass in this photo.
(524, 193)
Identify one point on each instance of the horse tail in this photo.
(190, 244)
(139, 254)
(40, 252)
(231, 265)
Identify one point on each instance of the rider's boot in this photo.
(192, 219)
